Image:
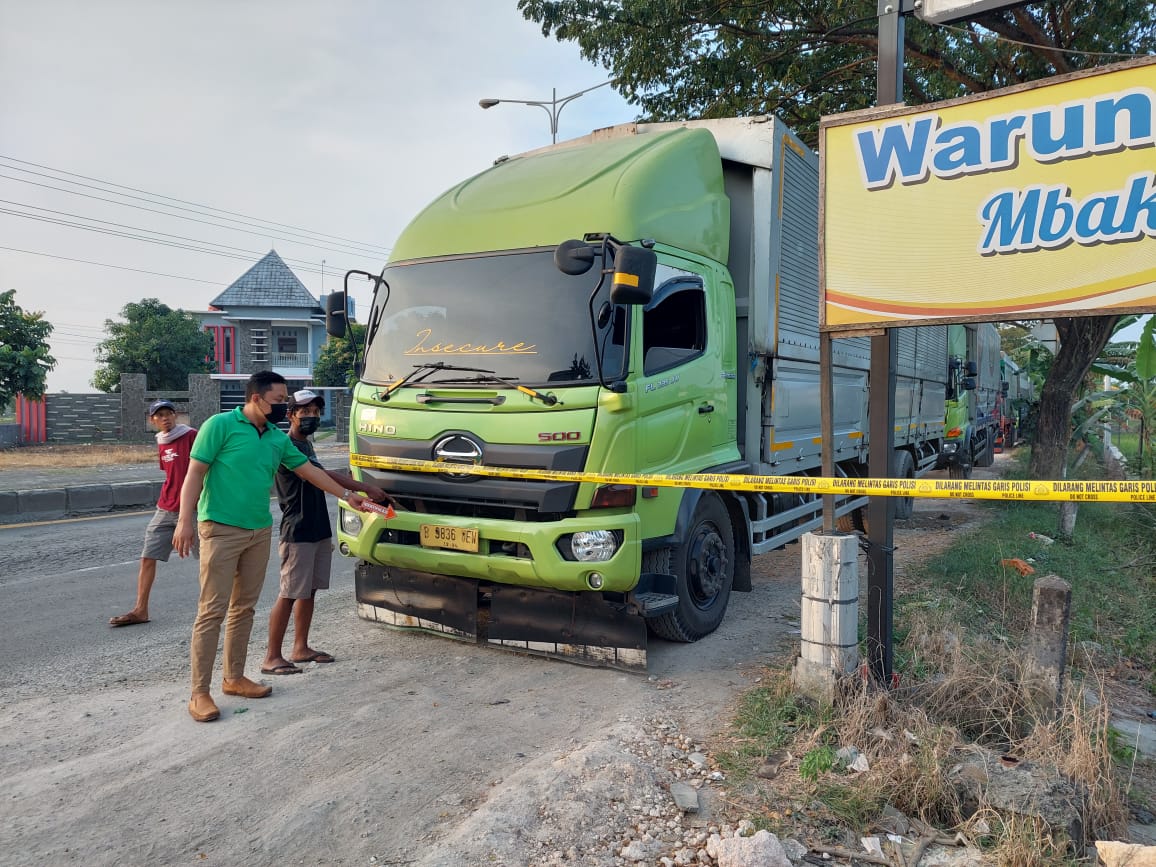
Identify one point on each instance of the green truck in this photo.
(642, 300)
(974, 394)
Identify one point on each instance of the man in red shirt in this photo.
(174, 442)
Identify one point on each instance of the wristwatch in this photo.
(346, 494)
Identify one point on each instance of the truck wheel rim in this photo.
(706, 566)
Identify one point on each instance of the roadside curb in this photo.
(46, 504)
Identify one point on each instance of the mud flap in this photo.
(579, 627)
(418, 600)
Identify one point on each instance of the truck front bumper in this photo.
(523, 554)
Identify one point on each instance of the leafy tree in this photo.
(24, 358)
(718, 58)
(165, 344)
(335, 365)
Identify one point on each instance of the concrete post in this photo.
(1048, 646)
(829, 615)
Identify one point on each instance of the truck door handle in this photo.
(705, 408)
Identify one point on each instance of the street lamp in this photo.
(553, 108)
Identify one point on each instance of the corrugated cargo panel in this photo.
(799, 255)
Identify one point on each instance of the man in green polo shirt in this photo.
(230, 474)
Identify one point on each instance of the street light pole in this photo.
(553, 107)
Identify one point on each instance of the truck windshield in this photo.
(513, 313)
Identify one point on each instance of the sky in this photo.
(341, 118)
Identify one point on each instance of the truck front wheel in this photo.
(960, 467)
(904, 469)
(704, 569)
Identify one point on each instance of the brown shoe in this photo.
(245, 688)
(202, 708)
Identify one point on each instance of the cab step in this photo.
(655, 604)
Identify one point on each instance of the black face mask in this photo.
(276, 413)
(309, 425)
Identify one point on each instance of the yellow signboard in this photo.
(1025, 203)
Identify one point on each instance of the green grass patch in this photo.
(1109, 564)
(769, 718)
(855, 806)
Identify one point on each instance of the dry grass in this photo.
(35, 457)
(969, 705)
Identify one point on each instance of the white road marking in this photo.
(102, 566)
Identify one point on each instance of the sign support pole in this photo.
(881, 408)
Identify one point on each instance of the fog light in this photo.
(350, 522)
(594, 580)
(593, 546)
(344, 549)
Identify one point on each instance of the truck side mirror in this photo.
(1004, 387)
(574, 257)
(968, 383)
(972, 368)
(634, 269)
(335, 315)
(954, 364)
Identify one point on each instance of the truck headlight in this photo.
(950, 448)
(350, 522)
(593, 546)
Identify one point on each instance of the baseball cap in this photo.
(305, 397)
(161, 404)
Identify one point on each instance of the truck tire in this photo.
(985, 457)
(960, 468)
(704, 569)
(904, 469)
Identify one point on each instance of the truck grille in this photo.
(476, 497)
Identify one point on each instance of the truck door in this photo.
(681, 401)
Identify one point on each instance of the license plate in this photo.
(456, 538)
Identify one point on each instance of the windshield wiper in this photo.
(492, 377)
(423, 369)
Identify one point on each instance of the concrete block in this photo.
(1140, 736)
(89, 498)
(9, 507)
(133, 494)
(39, 503)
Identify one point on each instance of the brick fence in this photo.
(124, 416)
(82, 418)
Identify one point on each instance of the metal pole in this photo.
(881, 411)
(827, 425)
(555, 110)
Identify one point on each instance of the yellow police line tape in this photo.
(1115, 492)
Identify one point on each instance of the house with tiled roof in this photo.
(265, 320)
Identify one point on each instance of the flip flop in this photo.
(126, 620)
(317, 656)
(284, 668)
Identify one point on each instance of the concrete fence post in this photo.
(1048, 644)
(829, 616)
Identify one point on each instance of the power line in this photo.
(129, 235)
(963, 31)
(304, 262)
(263, 234)
(347, 241)
(107, 265)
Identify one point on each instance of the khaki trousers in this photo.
(233, 562)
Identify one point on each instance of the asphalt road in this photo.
(396, 752)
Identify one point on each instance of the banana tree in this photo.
(1137, 399)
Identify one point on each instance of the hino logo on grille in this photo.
(458, 449)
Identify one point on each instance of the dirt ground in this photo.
(412, 750)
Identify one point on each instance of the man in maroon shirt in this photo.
(174, 442)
